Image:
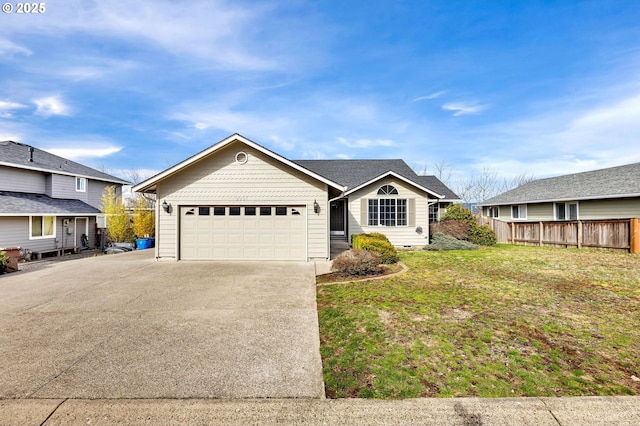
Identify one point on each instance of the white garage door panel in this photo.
(243, 237)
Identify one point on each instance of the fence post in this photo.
(579, 234)
(541, 233)
(513, 233)
(634, 244)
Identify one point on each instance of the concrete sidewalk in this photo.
(460, 411)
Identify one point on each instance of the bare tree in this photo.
(478, 187)
(517, 181)
(488, 184)
(441, 169)
(136, 176)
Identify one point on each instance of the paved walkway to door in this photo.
(125, 326)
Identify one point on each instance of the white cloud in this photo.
(51, 105)
(134, 175)
(313, 154)
(282, 143)
(431, 96)
(566, 140)
(77, 153)
(82, 73)
(8, 48)
(365, 143)
(225, 33)
(201, 126)
(6, 108)
(464, 108)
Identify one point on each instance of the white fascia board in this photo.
(561, 200)
(404, 179)
(151, 182)
(60, 172)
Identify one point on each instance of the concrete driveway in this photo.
(125, 326)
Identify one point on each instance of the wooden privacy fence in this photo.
(616, 234)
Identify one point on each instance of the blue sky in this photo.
(520, 87)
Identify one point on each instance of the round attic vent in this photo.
(242, 157)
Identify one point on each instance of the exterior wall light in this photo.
(166, 207)
(316, 207)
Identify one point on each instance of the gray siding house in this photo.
(237, 200)
(47, 203)
(612, 193)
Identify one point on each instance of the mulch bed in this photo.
(336, 278)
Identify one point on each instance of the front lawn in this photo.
(495, 322)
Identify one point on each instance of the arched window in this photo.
(384, 211)
(387, 190)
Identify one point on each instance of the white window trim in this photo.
(55, 224)
(495, 209)
(522, 208)
(83, 184)
(377, 200)
(566, 210)
(436, 208)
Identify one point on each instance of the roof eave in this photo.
(76, 214)
(556, 200)
(64, 173)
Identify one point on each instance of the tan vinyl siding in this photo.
(623, 208)
(398, 235)
(19, 180)
(609, 209)
(262, 180)
(539, 212)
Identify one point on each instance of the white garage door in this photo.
(243, 233)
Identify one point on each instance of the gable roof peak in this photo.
(149, 185)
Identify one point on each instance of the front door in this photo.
(82, 228)
(337, 217)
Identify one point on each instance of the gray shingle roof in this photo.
(20, 203)
(19, 155)
(614, 182)
(353, 173)
(436, 185)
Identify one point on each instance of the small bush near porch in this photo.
(495, 322)
(377, 243)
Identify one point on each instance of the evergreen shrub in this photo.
(4, 262)
(377, 243)
(483, 236)
(447, 242)
(480, 235)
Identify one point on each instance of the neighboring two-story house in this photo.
(48, 204)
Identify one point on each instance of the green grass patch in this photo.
(495, 322)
